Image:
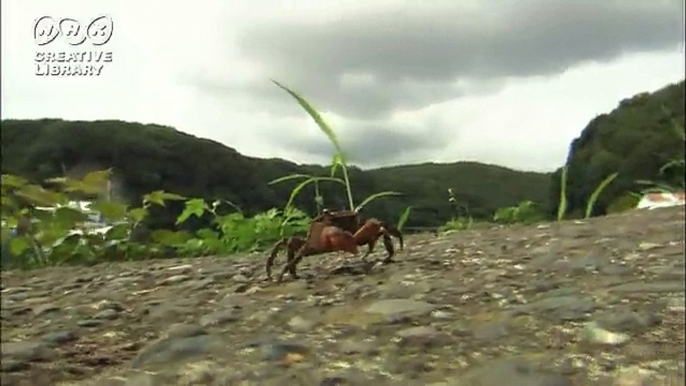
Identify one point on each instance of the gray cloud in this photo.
(368, 65)
(367, 144)
(413, 56)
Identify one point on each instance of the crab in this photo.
(322, 238)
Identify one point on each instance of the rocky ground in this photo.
(597, 302)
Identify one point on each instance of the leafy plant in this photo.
(457, 224)
(526, 212)
(339, 160)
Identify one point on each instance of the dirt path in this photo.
(599, 302)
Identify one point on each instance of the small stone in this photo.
(174, 279)
(44, 309)
(107, 314)
(60, 337)
(89, 323)
(220, 317)
(300, 324)
(595, 334)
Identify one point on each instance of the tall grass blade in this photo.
(594, 196)
(404, 217)
(288, 178)
(374, 197)
(328, 131)
(300, 186)
(562, 208)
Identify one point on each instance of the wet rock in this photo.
(45, 309)
(624, 318)
(401, 307)
(513, 371)
(422, 336)
(593, 333)
(26, 351)
(106, 314)
(491, 331)
(220, 317)
(357, 347)
(174, 349)
(647, 287)
(568, 307)
(300, 324)
(60, 337)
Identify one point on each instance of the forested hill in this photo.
(152, 157)
(636, 139)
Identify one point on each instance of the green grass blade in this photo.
(596, 193)
(288, 178)
(325, 128)
(562, 208)
(300, 186)
(328, 131)
(404, 217)
(374, 197)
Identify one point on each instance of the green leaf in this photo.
(597, 191)
(13, 181)
(69, 216)
(50, 236)
(39, 196)
(374, 197)
(404, 217)
(118, 232)
(97, 177)
(160, 196)
(194, 207)
(170, 238)
(19, 245)
(138, 214)
(110, 210)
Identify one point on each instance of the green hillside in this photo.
(635, 139)
(151, 157)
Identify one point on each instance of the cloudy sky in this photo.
(508, 82)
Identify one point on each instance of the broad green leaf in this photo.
(69, 217)
(194, 207)
(118, 232)
(50, 236)
(207, 234)
(288, 178)
(13, 181)
(19, 245)
(138, 214)
(597, 191)
(110, 210)
(170, 238)
(160, 196)
(11, 222)
(39, 196)
(97, 177)
(374, 197)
